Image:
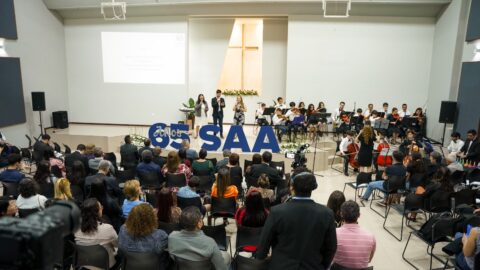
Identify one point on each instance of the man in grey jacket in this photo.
(192, 244)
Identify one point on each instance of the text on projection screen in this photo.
(150, 58)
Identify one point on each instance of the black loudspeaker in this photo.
(38, 101)
(448, 112)
(60, 119)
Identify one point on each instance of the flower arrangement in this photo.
(190, 105)
(137, 140)
(240, 92)
(291, 147)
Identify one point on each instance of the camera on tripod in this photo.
(298, 156)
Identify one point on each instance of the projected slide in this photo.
(144, 58)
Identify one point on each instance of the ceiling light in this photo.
(336, 8)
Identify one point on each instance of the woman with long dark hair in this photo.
(166, 210)
(367, 139)
(111, 210)
(201, 117)
(173, 165)
(222, 188)
(94, 232)
(45, 179)
(254, 213)
(334, 203)
(416, 171)
(77, 175)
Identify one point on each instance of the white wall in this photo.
(359, 59)
(445, 65)
(208, 42)
(93, 101)
(41, 48)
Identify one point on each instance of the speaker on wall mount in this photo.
(448, 111)
(38, 101)
(60, 119)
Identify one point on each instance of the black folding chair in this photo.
(141, 261)
(176, 180)
(123, 176)
(247, 236)
(394, 185)
(222, 208)
(186, 202)
(202, 172)
(219, 234)
(244, 263)
(205, 184)
(184, 264)
(168, 227)
(149, 180)
(30, 146)
(10, 189)
(457, 177)
(279, 166)
(442, 231)
(412, 204)
(57, 147)
(27, 156)
(361, 183)
(95, 255)
(251, 181)
(462, 199)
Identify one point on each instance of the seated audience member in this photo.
(190, 191)
(54, 161)
(45, 179)
(233, 165)
(147, 146)
(335, 201)
(434, 163)
(77, 176)
(182, 154)
(416, 172)
(147, 165)
(8, 207)
(132, 191)
(471, 149)
(40, 147)
(112, 213)
(89, 151)
(62, 190)
(140, 233)
(78, 155)
(173, 165)
(222, 163)
(13, 172)
(157, 159)
(103, 174)
(28, 198)
(94, 232)
(465, 260)
(256, 159)
(452, 163)
(456, 143)
(290, 228)
(98, 157)
(222, 188)
(396, 169)
(192, 244)
(129, 154)
(355, 246)
(254, 213)
(191, 153)
(167, 211)
(202, 166)
(4, 152)
(272, 173)
(263, 186)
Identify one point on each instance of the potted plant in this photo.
(191, 116)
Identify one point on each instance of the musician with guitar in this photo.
(367, 139)
(348, 150)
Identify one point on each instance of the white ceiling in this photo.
(76, 9)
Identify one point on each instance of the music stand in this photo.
(315, 118)
(381, 114)
(269, 111)
(381, 124)
(409, 122)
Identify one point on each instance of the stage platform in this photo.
(110, 138)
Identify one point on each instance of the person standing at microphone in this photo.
(218, 103)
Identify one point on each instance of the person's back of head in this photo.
(62, 189)
(436, 157)
(223, 181)
(132, 190)
(234, 159)
(303, 184)
(147, 142)
(182, 154)
(45, 138)
(256, 159)
(350, 212)
(164, 205)
(104, 166)
(147, 156)
(267, 157)
(191, 219)
(226, 153)
(14, 160)
(157, 151)
(194, 182)
(127, 139)
(255, 213)
(202, 154)
(97, 152)
(335, 201)
(7, 206)
(263, 181)
(27, 188)
(141, 221)
(77, 172)
(43, 172)
(81, 148)
(98, 190)
(173, 160)
(186, 144)
(89, 149)
(398, 156)
(90, 213)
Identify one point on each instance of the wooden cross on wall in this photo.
(244, 49)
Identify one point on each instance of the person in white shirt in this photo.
(28, 198)
(290, 114)
(261, 119)
(373, 117)
(369, 111)
(338, 112)
(455, 144)
(280, 104)
(346, 141)
(279, 121)
(404, 112)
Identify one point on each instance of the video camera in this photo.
(298, 156)
(36, 242)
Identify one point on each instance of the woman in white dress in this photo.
(201, 109)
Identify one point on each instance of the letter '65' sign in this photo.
(162, 136)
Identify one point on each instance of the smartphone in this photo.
(469, 228)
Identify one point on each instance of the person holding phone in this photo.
(471, 247)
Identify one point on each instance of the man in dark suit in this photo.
(147, 146)
(103, 174)
(218, 103)
(79, 155)
(471, 149)
(300, 232)
(40, 147)
(272, 173)
(129, 154)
